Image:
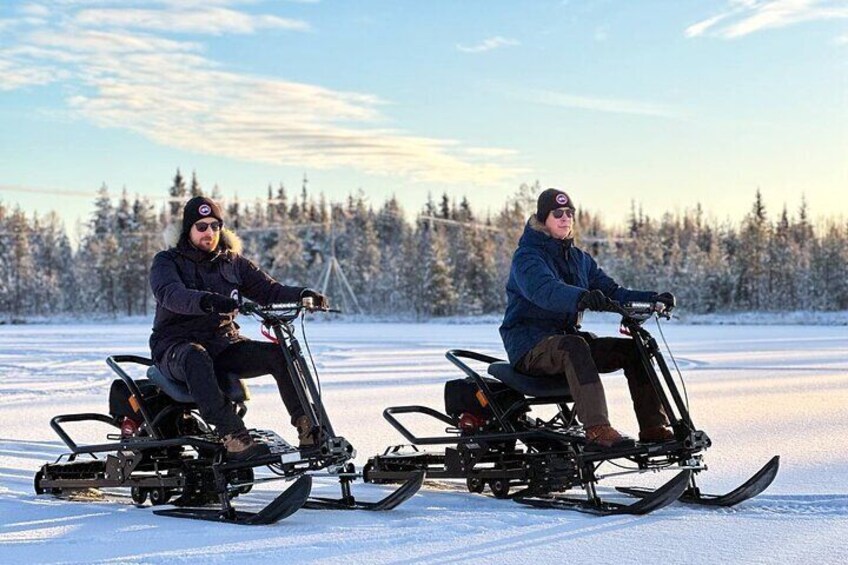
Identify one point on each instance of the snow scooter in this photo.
(487, 419)
(164, 451)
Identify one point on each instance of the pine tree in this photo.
(393, 235)
(5, 262)
(100, 257)
(752, 283)
(177, 197)
(195, 189)
(22, 274)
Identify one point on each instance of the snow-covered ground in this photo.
(757, 391)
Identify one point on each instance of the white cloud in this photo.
(743, 17)
(121, 72)
(841, 40)
(106, 42)
(488, 45)
(35, 10)
(207, 20)
(15, 76)
(490, 152)
(611, 105)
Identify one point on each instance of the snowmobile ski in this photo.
(406, 491)
(759, 482)
(655, 500)
(287, 503)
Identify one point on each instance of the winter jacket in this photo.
(546, 279)
(182, 275)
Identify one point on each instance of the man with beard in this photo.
(198, 283)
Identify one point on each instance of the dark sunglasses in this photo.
(558, 213)
(202, 226)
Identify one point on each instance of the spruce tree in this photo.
(177, 197)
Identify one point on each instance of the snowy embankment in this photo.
(757, 391)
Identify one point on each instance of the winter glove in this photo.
(319, 301)
(593, 300)
(218, 303)
(667, 299)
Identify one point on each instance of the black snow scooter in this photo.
(493, 442)
(164, 452)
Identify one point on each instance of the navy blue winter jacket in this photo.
(546, 280)
(183, 274)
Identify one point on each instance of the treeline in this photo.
(446, 260)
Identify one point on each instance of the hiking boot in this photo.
(305, 434)
(241, 447)
(656, 434)
(606, 437)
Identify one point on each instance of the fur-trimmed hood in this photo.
(535, 224)
(537, 234)
(230, 241)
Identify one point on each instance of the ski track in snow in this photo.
(757, 391)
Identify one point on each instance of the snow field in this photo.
(756, 390)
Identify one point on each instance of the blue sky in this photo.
(669, 103)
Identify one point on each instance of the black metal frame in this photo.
(331, 452)
(559, 445)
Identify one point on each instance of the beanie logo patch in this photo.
(562, 199)
(204, 210)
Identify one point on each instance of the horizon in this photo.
(666, 106)
(819, 222)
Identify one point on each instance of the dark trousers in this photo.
(192, 364)
(580, 359)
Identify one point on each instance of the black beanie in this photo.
(199, 208)
(551, 199)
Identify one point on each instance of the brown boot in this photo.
(304, 432)
(606, 437)
(656, 434)
(241, 447)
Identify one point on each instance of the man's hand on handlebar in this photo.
(318, 300)
(597, 301)
(667, 300)
(218, 303)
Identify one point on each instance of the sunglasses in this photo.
(559, 212)
(202, 226)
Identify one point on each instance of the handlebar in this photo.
(639, 311)
(282, 311)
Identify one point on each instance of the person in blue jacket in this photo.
(551, 282)
(198, 283)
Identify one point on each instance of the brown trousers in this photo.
(580, 358)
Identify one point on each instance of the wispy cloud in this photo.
(207, 20)
(488, 45)
(743, 17)
(597, 104)
(123, 70)
(490, 151)
(34, 10)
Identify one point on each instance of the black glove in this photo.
(218, 303)
(666, 299)
(319, 301)
(593, 300)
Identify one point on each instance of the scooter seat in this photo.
(529, 385)
(233, 387)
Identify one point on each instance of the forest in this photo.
(442, 260)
